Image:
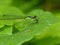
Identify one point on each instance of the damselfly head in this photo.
(34, 18)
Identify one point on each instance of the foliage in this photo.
(24, 22)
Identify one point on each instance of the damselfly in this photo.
(16, 17)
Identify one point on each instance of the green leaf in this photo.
(21, 37)
(1, 26)
(16, 39)
(53, 36)
(47, 41)
(54, 30)
(4, 39)
(6, 30)
(57, 15)
(4, 4)
(45, 19)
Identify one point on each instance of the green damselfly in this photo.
(16, 17)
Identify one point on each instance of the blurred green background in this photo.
(28, 5)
